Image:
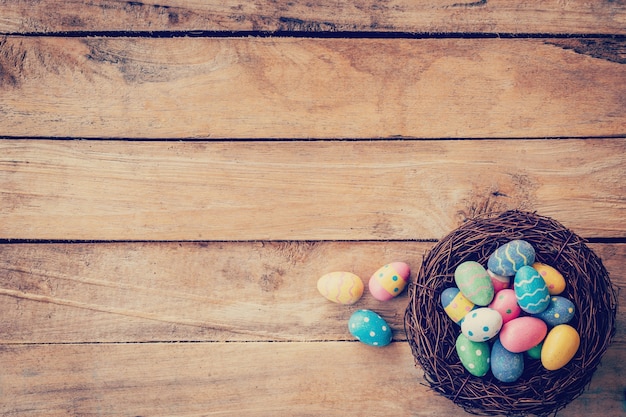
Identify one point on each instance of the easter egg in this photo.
(559, 347)
(499, 282)
(507, 259)
(370, 328)
(474, 282)
(389, 280)
(560, 311)
(506, 366)
(455, 304)
(505, 303)
(341, 287)
(522, 333)
(474, 356)
(535, 352)
(531, 290)
(481, 324)
(553, 278)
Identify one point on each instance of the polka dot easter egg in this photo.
(455, 304)
(531, 290)
(560, 311)
(341, 287)
(505, 303)
(474, 282)
(507, 259)
(389, 280)
(481, 324)
(474, 356)
(369, 328)
(553, 278)
(506, 366)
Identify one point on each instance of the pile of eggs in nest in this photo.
(347, 288)
(499, 324)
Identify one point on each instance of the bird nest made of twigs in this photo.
(432, 334)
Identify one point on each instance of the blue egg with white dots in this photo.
(370, 328)
(481, 324)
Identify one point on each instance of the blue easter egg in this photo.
(506, 366)
(370, 328)
(560, 310)
(531, 290)
(507, 259)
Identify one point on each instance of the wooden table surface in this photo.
(176, 176)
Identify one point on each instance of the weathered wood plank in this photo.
(142, 292)
(24, 16)
(251, 379)
(352, 190)
(311, 88)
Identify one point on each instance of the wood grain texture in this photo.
(167, 292)
(108, 190)
(510, 16)
(251, 379)
(311, 88)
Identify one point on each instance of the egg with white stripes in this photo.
(531, 290)
(370, 328)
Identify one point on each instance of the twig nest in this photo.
(433, 335)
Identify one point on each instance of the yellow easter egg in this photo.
(559, 347)
(553, 278)
(341, 287)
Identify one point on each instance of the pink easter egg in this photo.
(499, 282)
(389, 280)
(523, 333)
(505, 303)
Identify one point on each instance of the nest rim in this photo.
(432, 334)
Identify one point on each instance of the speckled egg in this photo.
(474, 282)
(507, 259)
(481, 324)
(505, 303)
(499, 282)
(531, 290)
(389, 280)
(506, 366)
(553, 278)
(370, 328)
(474, 356)
(522, 333)
(560, 311)
(455, 304)
(559, 347)
(341, 287)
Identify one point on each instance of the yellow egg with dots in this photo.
(553, 278)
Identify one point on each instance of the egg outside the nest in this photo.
(389, 280)
(370, 328)
(341, 287)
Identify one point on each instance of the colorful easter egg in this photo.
(499, 282)
(553, 278)
(559, 347)
(370, 328)
(522, 333)
(341, 287)
(474, 356)
(474, 282)
(506, 366)
(389, 280)
(507, 259)
(455, 304)
(481, 324)
(535, 352)
(531, 290)
(560, 311)
(505, 303)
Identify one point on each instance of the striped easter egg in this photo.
(341, 287)
(474, 282)
(531, 290)
(507, 259)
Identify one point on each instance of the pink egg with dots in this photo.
(389, 280)
(505, 303)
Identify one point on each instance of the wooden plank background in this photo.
(175, 177)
